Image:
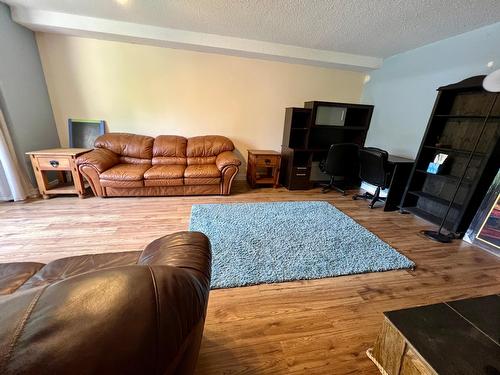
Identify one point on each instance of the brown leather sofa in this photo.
(122, 313)
(125, 164)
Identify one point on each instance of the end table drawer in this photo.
(268, 161)
(54, 163)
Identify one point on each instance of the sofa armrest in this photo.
(100, 158)
(187, 250)
(226, 158)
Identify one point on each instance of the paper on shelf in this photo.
(440, 158)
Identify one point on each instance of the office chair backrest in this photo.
(373, 166)
(342, 159)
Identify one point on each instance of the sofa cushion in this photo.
(203, 170)
(165, 182)
(122, 184)
(63, 268)
(201, 160)
(208, 146)
(125, 172)
(164, 172)
(202, 181)
(169, 149)
(131, 148)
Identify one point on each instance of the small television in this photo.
(83, 133)
(330, 116)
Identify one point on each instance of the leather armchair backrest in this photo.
(132, 148)
(169, 149)
(204, 149)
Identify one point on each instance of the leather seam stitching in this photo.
(22, 323)
(157, 302)
(25, 281)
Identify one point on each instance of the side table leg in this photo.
(277, 178)
(77, 180)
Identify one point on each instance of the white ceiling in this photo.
(375, 28)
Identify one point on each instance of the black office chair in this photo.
(342, 161)
(374, 169)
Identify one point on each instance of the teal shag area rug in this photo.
(255, 243)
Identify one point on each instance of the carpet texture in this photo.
(255, 243)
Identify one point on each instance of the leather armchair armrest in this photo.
(226, 158)
(187, 250)
(100, 158)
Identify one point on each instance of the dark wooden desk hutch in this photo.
(310, 131)
(464, 113)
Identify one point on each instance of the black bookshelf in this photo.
(305, 142)
(465, 125)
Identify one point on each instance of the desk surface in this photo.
(399, 159)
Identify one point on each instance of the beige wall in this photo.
(153, 90)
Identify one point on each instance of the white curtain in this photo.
(14, 184)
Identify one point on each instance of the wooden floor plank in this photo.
(315, 326)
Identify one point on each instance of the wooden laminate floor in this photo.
(303, 327)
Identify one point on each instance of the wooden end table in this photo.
(60, 160)
(263, 167)
(448, 338)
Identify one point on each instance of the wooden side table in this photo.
(60, 160)
(448, 338)
(263, 167)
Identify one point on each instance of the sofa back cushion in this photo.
(169, 150)
(131, 148)
(204, 149)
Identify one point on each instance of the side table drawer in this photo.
(268, 161)
(55, 163)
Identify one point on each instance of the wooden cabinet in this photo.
(448, 338)
(310, 131)
(63, 162)
(464, 115)
(393, 355)
(263, 167)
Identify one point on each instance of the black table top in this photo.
(458, 337)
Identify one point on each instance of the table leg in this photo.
(276, 177)
(41, 178)
(77, 180)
